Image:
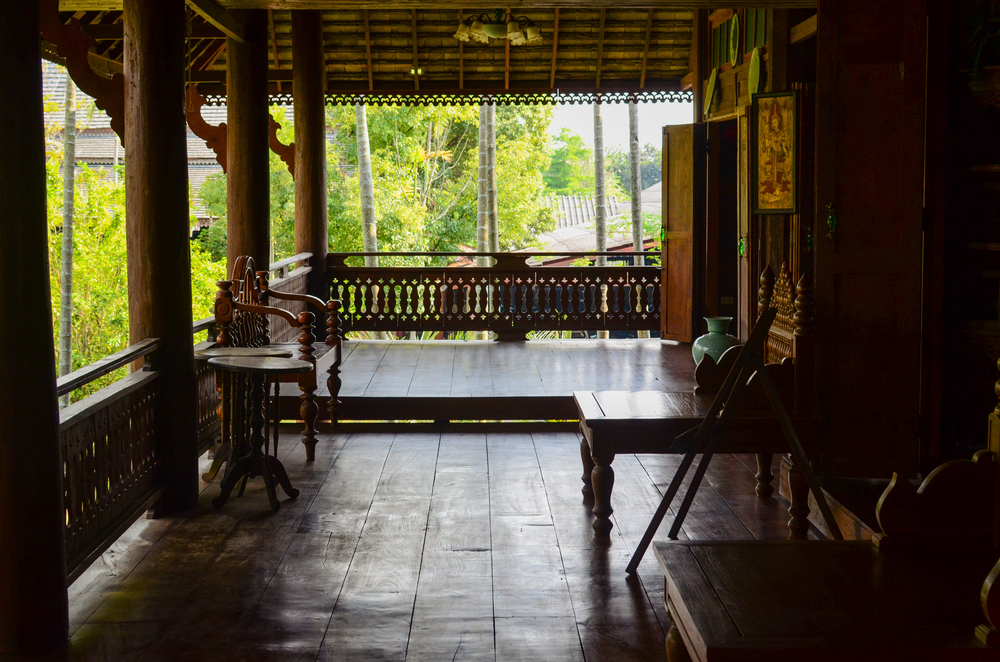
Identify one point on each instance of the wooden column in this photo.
(248, 178)
(308, 71)
(159, 257)
(33, 611)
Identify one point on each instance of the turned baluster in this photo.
(335, 339)
(308, 409)
(224, 311)
(803, 348)
(765, 475)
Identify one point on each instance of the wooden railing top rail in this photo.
(203, 325)
(521, 254)
(83, 376)
(281, 266)
(86, 407)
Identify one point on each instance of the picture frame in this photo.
(774, 163)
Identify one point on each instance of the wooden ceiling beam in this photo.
(220, 18)
(478, 5)
(368, 51)
(274, 42)
(416, 65)
(600, 47)
(506, 58)
(555, 49)
(645, 49)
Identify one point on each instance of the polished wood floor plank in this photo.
(375, 608)
(453, 612)
(617, 619)
(410, 547)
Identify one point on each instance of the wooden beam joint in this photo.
(220, 18)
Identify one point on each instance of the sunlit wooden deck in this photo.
(407, 547)
(483, 380)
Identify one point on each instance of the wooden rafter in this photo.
(461, 57)
(555, 49)
(478, 5)
(645, 49)
(274, 42)
(506, 58)
(368, 51)
(600, 47)
(218, 54)
(220, 18)
(209, 55)
(416, 65)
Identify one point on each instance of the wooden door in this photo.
(869, 164)
(683, 214)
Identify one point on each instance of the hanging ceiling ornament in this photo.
(518, 30)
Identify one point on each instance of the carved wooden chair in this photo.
(243, 307)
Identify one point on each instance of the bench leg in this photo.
(603, 480)
(798, 509)
(588, 470)
(764, 475)
(676, 652)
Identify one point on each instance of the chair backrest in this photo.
(244, 328)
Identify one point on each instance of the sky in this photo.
(652, 117)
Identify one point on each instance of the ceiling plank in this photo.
(483, 5)
(368, 52)
(555, 49)
(600, 47)
(220, 18)
(645, 49)
(506, 58)
(274, 42)
(416, 66)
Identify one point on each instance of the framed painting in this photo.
(775, 150)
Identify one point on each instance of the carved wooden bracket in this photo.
(214, 136)
(953, 505)
(286, 152)
(73, 44)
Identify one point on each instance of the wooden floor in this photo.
(484, 380)
(407, 547)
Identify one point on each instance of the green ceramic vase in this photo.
(716, 341)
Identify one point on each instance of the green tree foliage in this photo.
(572, 167)
(100, 265)
(282, 192)
(650, 166)
(424, 163)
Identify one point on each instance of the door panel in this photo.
(869, 164)
(683, 214)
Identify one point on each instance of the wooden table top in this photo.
(820, 600)
(277, 352)
(600, 408)
(261, 364)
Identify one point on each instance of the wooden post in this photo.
(248, 179)
(159, 254)
(33, 609)
(308, 71)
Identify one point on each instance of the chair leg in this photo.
(764, 475)
(798, 509)
(309, 412)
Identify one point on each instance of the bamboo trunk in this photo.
(66, 275)
(601, 216)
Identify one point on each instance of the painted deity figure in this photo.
(774, 167)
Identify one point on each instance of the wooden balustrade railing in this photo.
(108, 450)
(511, 297)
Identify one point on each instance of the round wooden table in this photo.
(253, 455)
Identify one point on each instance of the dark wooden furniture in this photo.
(821, 600)
(261, 414)
(242, 311)
(910, 593)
